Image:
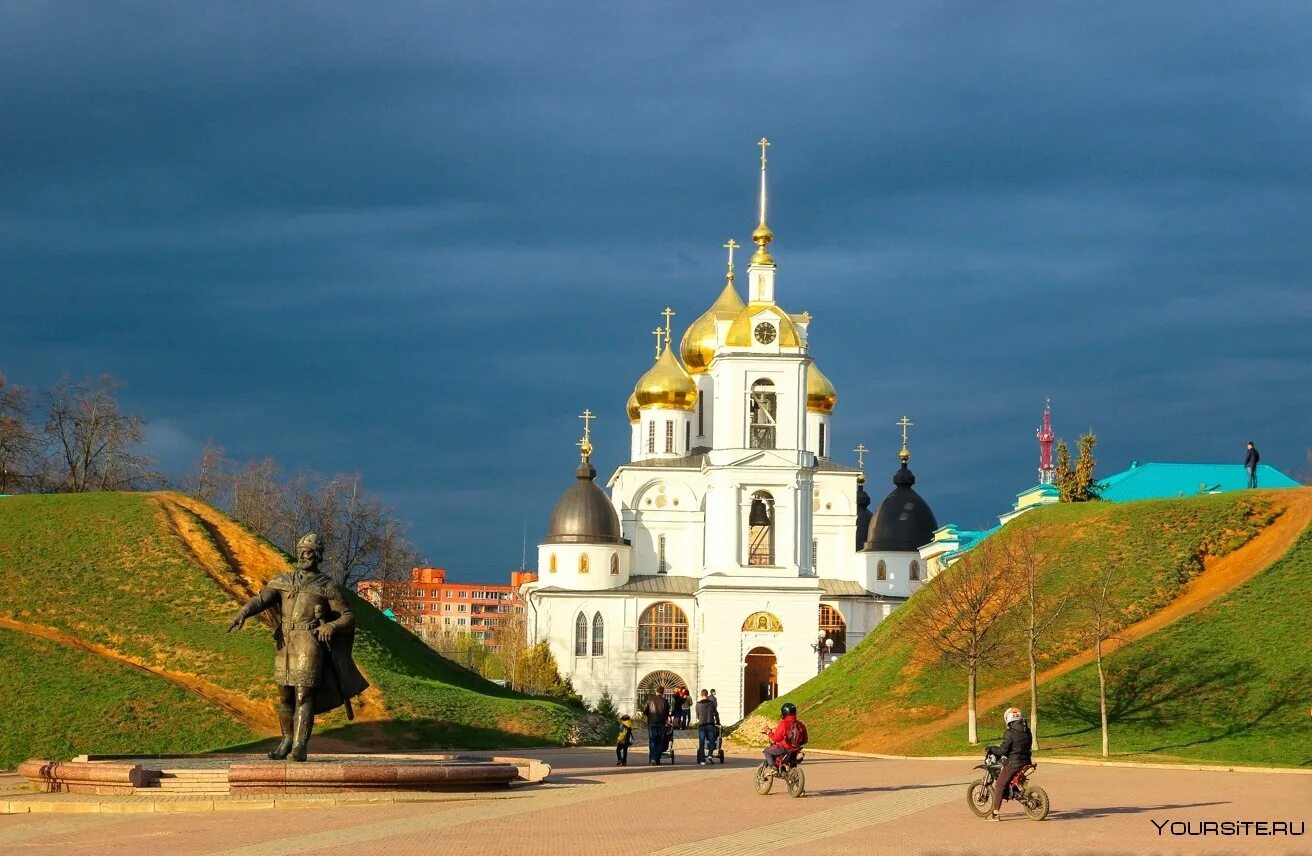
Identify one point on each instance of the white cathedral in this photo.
(732, 552)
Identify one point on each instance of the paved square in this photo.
(853, 805)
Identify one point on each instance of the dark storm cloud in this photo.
(415, 240)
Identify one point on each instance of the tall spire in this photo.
(762, 236)
(1047, 473)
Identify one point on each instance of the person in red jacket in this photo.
(779, 743)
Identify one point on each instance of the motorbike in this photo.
(788, 768)
(1032, 798)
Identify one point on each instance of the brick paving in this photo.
(853, 805)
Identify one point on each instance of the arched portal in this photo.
(760, 678)
(661, 679)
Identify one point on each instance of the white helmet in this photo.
(1012, 714)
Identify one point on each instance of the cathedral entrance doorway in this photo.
(656, 680)
(760, 679)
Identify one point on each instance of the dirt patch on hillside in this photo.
(1219, 577)
(255, 715)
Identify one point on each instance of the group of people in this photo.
(663, 717)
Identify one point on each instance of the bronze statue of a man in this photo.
(313, 631)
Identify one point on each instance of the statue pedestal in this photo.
(236, 775)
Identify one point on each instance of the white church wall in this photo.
(563, 565)
(663, 433)
(897, 573)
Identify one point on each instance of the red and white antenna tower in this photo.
(1047, 473)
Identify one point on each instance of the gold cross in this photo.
(763, 143)
(587, 417)
(905, 423)
(731, 246)
(660, 333)
(668, 313)
(861, 455)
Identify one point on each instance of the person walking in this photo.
(676, 707)
(657, 712)
(623, 741)
(1250, 463)
(705, 727)
(715, 706)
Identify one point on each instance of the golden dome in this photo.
(666, 385)
(820, 393)
(701, 339)
(632, 406)
(740, 332)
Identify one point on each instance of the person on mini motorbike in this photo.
(780, 744)
(1015, 747)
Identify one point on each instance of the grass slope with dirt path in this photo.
(1230, 683)
(884, 696)
(127, 574)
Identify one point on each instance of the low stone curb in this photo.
(1078, 762)
(91, 804)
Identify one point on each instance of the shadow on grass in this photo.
(1185, 694)
(1108, 811)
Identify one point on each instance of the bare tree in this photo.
(210, 482)
(18, 442)
(1039, 611)
(1102, 611)
(260, 502)
(92, 439)
(511, 643)
(959, 614)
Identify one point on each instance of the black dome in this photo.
(904, 522)
(584, 515)
(863, 513)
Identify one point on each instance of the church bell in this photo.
(759, 515)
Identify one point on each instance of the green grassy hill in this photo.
(131, 594)
(1226, 683)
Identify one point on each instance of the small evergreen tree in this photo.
(606, 706)
(1064, 477)
(539, 675)
(1084, 487)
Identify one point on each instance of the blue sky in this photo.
(415, 240)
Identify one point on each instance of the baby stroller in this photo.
(667, 746)
(715, 752)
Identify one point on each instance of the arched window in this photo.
(551, 564)
(762, 410)
(583, 563)
(598, 635)
(834, 627)
(915, 570)
(614, 564)
(881, 571)
(669, 436)
(663, 627)
(651, 437)
(661, 567)
(822, 440)
(701, 422)
(581, 636)
(760, 529)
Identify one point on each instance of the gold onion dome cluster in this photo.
(820, 393)
(702, 338)
(666, 385)
(632, 407)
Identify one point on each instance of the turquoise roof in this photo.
(388, 612)
(1163, 481)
